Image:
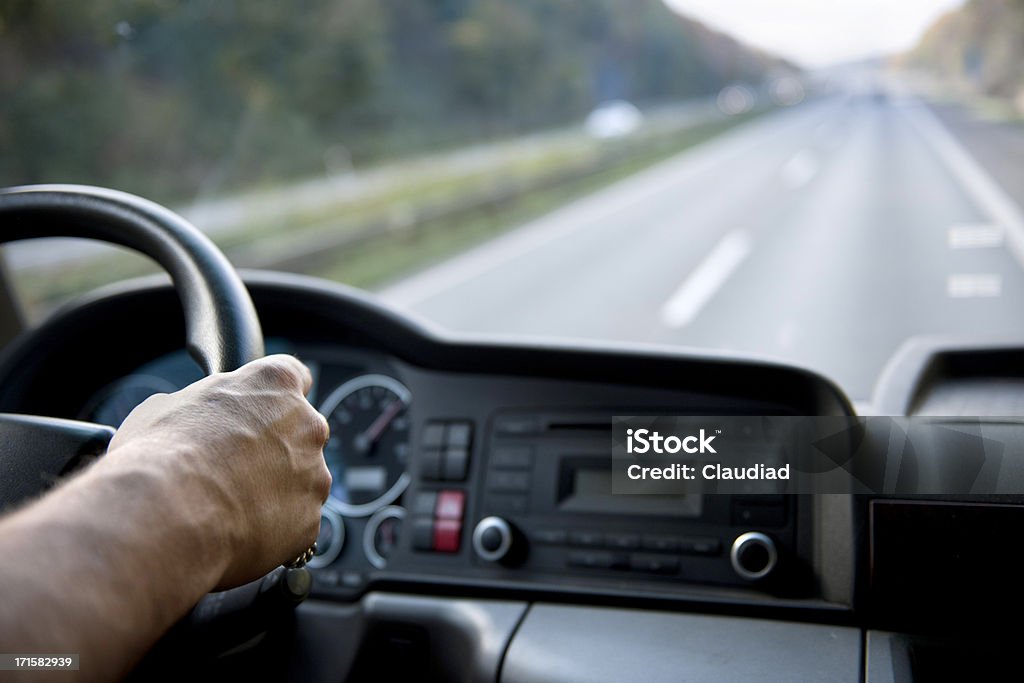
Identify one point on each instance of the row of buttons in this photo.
(637, 562)
(437, 521)
(508, 478)
(511, 458)
(445, 448)
(661, 544)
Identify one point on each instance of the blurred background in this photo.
(815, 182)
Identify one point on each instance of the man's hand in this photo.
(205, 488)
(247, 447)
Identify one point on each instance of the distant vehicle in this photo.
(735, 99)
(613, 119)
(786, 91)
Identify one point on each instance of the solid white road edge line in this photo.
(976, 181)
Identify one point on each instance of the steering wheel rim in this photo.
(222, 328)
(222, 333)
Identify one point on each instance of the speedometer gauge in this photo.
(369, 445)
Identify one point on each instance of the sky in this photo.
(816, 33)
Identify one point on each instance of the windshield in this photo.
(813, 182)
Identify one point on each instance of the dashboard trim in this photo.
(418, 342)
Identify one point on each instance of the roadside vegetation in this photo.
(356, 139)
(977, 52)
(412, 214)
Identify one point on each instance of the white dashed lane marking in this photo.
(706, 279)
(974, 285)
(981, 236)
(799, 170)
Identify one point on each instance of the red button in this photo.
(450, 505)
(446, 535)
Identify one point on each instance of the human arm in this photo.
(203, 489)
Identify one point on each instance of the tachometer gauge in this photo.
(369, 444)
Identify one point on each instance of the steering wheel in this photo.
(222, 329)
(222, 332)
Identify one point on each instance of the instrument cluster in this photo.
(367, 454)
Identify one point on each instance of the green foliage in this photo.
(178, 98)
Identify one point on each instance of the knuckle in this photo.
(320, 430)
(280, 371)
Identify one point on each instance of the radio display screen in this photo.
(585, 486)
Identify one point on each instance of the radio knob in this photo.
(753, 555)
(492, 539)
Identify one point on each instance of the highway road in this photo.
(825, 235)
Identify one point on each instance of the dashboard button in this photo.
(494, 540)
(325, 578)
(456, 464)
(514, 424)
(622, 541)
(755, 515)
(512, 458)
(550, 537)
(597, 559)
(430, 464)
(450, 505)
(460, 434)
(424, 504)
(655, 564)
(433, 435)
(661, 544)
(700, 546)
(591, 539)
(753, 555)
(491, 539)
(514, 482)
(447, 534)
(423, 533)
(507, 503)
(352, 580)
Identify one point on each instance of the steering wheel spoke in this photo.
(35, 451)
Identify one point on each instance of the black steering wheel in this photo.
(222, 333)
(222, 329)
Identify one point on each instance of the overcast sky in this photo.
(820, 32)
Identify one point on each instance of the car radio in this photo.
(524, 499)
(545, 506)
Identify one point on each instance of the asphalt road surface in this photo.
(826, 235)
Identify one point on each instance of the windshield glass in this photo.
(814, 182)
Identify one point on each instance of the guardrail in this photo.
(314, 246)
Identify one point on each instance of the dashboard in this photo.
(471, 509)
(503, 480)
(479, 465)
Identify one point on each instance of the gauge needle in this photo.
(367, 439)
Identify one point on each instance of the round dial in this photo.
(381, 535)
(113, 403)
(330, 540)
(369, 445)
